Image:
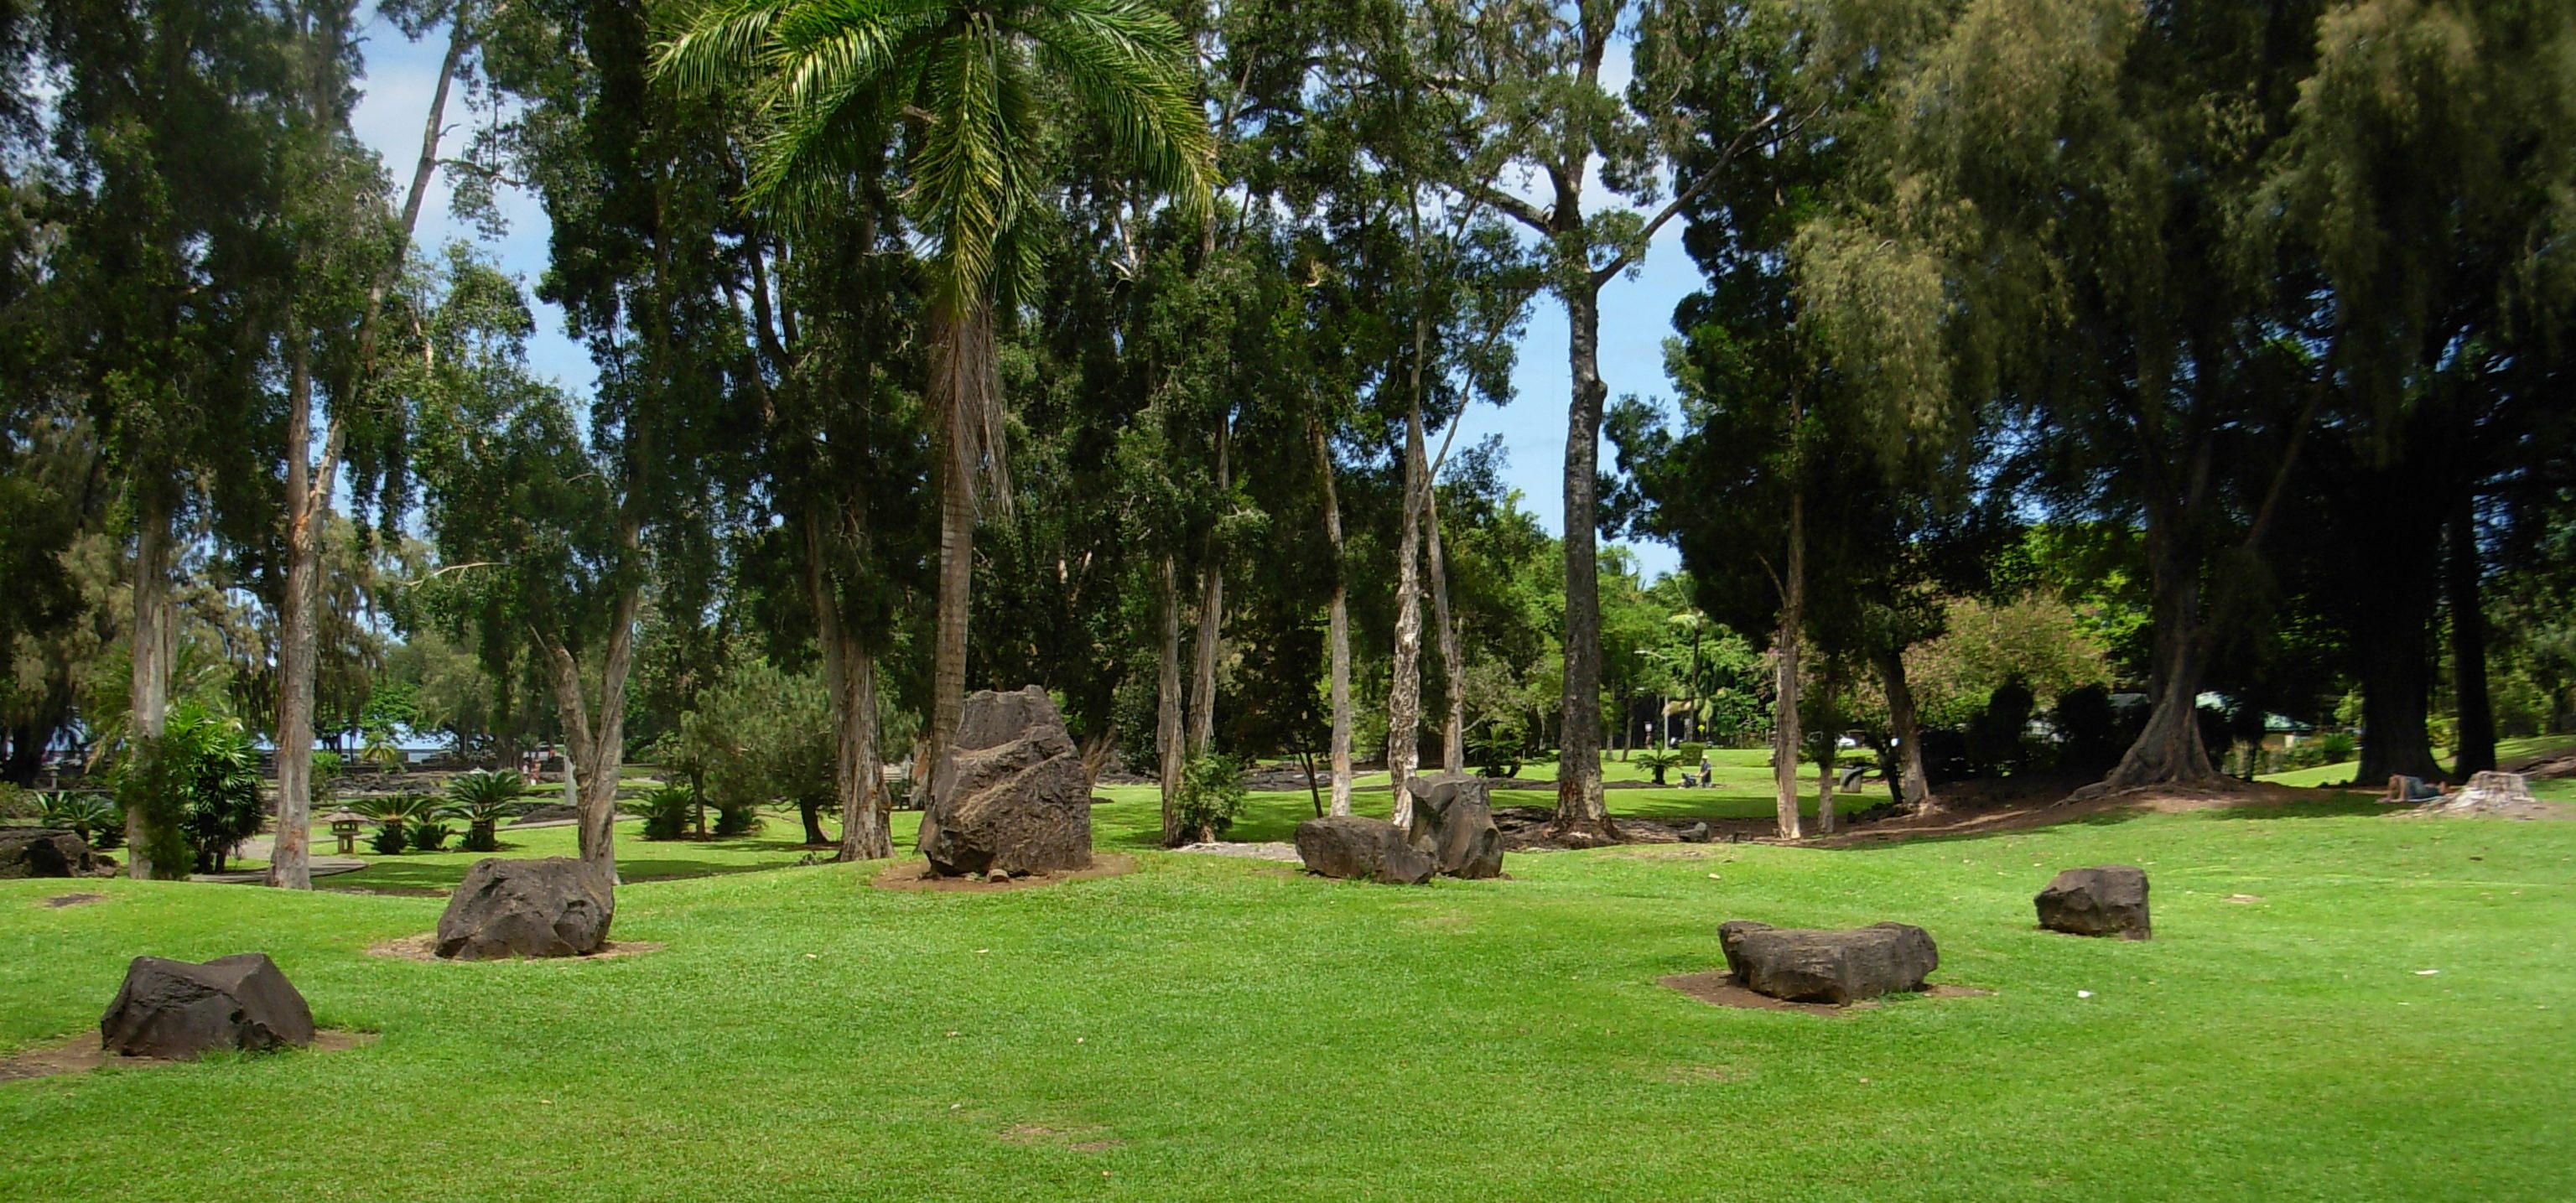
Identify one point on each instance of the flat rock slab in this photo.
(1719, 988)
(1453, 824)
(1012, 795)
(2105, 900)
(1279, 850)
(424, 947)
(1826, 965)
(81, 1054)
(2499, 795)
(550, 907)
(1357, 848)
(183, 1010)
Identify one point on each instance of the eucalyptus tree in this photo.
(165, 130)
(1528, 79)
(965, 81)
(638, 185)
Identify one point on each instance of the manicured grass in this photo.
(2341, 772)
(1211, 1028)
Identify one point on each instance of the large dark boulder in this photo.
(1012, 796)
(1820, 965)
(182, 1010)
(2107, 900)
(1453, 824)
(553, 907)
(1354, 847)
(45, 852)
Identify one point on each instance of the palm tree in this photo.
(960, 83)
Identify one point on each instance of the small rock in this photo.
(1696, 833)
(2108, 900)
(183, 1010)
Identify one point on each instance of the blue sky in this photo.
(1636, 313)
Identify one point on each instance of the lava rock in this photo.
(1356, 847)
(1453, 824)
(2108, 900)
(1823, 965)
(552, 907)
(182, 1010)
(1012, 796)
(1696, 833)
(47, 852)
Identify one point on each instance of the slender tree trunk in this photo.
(596, 748)
(1337, 630)
(849, 674)
(1914, 787)
(290, 863)
(1404, 693)
(1167, 725)
(1827, 822)
(2474, 750)
(1582, 815)
(948, 648)
(1453, 668)
(1785, 741)
(308, 496)
(154, 647)
(1211, 615)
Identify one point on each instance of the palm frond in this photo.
(720, 42)
(1127, 64)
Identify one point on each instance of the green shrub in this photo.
(2337, 747)
(735, 816)
(429, 835)
(389, 840)
(1211, 794)
(198, 788)
(665, 812)
(1693, 751)
(94, 816)
(16, 803)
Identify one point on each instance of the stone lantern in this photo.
(344, 825)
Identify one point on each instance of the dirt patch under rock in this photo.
(916, 875)
(81, 1054)
(59, 901)
(425, 948)
(1718, 988)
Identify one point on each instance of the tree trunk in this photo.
(1167, 724)
(1338, 630)
(849, 674)
(596, 748)
(154, 647)
(1914, 788)
(1581, 814)
(1453, 668)
(2474, 748)
(290, 863)
(2392, 645)
(1211, 618)
(1784, 723)
(948, 648)
(2169, 751)
(1404, 692)
(1827, 822)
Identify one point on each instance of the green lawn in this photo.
(2507, 751)
(1220, 1029)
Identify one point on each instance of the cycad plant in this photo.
(958, 84)
(94, 817)
(482, 799)
(396, 816)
